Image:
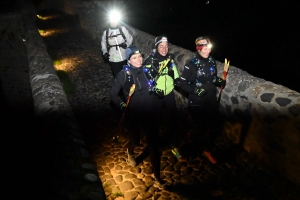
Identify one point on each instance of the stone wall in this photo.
(79, 180)
(27, 75)
(260, 115)
(14, 66)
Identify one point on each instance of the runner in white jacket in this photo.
(114, 41)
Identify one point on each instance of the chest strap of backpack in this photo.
(121, 33)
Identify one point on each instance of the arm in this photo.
(175, 70)
(186, 78)
(116, 87)
(103, 43)
(219, 81)
(128, 36)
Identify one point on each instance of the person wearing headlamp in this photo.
(115, 39)
(162, 70)
(199, 79)
(139, 111)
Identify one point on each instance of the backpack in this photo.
(128, 79)
(121, 33)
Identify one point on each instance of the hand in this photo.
(123, 45)
(106, 56)
(158, 92)
(200, 92)
(123, 107)
(176, 82)
(220, 82)
(171, 56)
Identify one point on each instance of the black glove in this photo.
(158, 92)
(106, 56)
(220, 82)
(200, 92)
(123, 45)
(176, 82)
(123, 107)
(171, 56)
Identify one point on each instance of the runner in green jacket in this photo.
(161, 70)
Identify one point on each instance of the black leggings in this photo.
(152, 147)
(116, 67)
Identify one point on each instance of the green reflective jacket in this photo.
(162, 70)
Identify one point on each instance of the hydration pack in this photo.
(121, 33)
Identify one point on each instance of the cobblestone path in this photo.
(237, 175)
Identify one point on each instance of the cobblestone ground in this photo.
(237, 175)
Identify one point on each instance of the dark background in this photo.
(258, 37)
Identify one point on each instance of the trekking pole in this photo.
(225, 71)
(161, 68)
(131, 91)
(118, 44)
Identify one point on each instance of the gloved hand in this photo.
(220, 82)
(123, 45)
(123, 107)
(158, 92)
(171, 56)
(106, 56)
(200, 92)
(176, 82)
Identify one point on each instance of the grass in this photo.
(56, 62)
(117, 194)
(67, 84)
(42, 31)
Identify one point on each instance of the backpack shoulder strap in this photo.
(107, 44)
(121, 33)
(128, 75)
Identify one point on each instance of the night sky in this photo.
(258, 37)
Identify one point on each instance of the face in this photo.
(204, 52)
(136, 60)
(163, 48)
(113, 24)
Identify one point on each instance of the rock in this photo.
(147, 170)
(137, 182)
(130, 195)
(187, 180)
(125, 186)
(141, 188)
(130, 176)
(119, 178)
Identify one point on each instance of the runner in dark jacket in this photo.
(139, 112)
(199, 79)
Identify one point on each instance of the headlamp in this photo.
(135, 52)
(203, 43)
(114, 16)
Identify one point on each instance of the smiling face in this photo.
(204, 52)
(163, 48)
(203, 47)
(136, 60)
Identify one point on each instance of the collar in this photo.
(201, 58)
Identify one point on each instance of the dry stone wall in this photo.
(80, 179)
(14, 66)
(28, 77)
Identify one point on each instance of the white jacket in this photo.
(114, 51)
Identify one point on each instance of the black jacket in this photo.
(141, 100)
(200, 72)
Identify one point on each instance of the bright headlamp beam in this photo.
(114, 16)
(209, 45)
